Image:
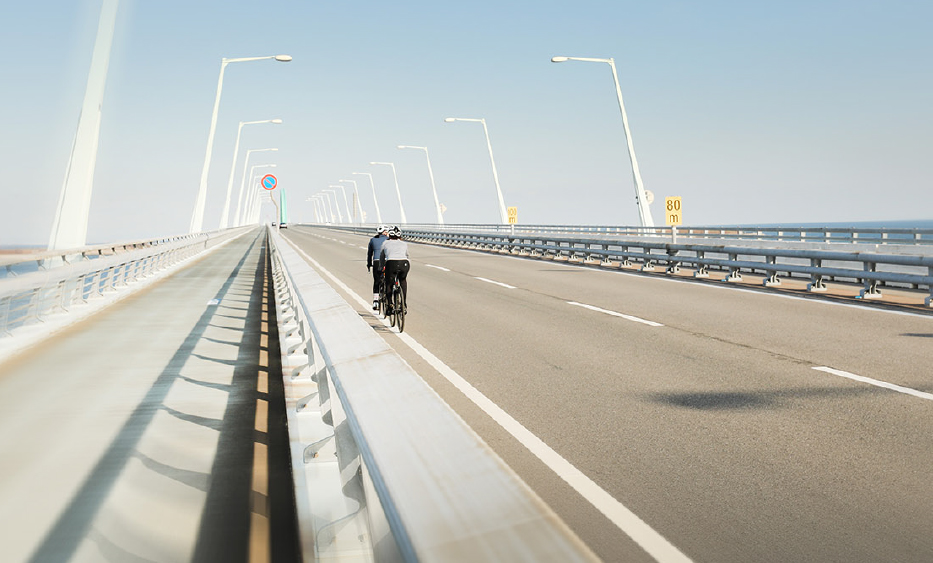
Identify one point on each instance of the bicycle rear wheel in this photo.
(399, 307)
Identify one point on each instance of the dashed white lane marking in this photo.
(876, 383)
(614, 314)
(641, 533)
(505, 285)
(441, 268)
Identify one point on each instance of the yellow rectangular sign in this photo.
(672, 212)
(513, 214)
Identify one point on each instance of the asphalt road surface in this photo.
(739, 425)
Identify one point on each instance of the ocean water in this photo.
(914, 224)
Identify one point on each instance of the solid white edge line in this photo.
(505, 285)
(876, 383)
(614, 314)
(641, 533)
(437, 267)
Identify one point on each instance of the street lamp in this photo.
(197, 218)
(236, 151)
(356, 195)
(397, 191)
(319, 208)
(238, 217)
(326, 197)
(641, 198)
(437, 203)
(250, 202)
(317, 211)
(346, 205)
(69, 227)
(375, 201)
(322, 201)
(503, 217)
(337, 201)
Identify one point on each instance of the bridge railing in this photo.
(44, 283)
(416, 480)
(847, 235)
(910, 267)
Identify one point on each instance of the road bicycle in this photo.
(392, 304)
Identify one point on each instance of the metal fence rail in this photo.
(870, 268)
(842, 235)
(433, 488)
(70, 277)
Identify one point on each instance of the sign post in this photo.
(673, 215)
(513, 218)
(269, 182)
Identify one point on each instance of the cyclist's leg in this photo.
(389, 278)
(377, 280)
(404, 268)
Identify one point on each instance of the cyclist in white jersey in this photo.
(394, 258)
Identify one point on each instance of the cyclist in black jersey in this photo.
(374, 252)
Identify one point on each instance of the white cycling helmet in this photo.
(382, 229)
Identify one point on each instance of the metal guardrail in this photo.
(444, 495)
(870, 268)
(846, 235)
(69, 277)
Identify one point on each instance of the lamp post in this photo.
(356, 195)
(346, 205)
(197, 217)
(375, 201)
(69, 228)
(248, 205)
(326, 197)
(317, 213)
(336, 202)
(236, 151)
(641, 199)
(317, 208)
(397, 191)
(238, 217)
(325, 212)
(503, 217)
(437, 203)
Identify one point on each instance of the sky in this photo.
(753, 113)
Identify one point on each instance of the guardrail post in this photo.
(871, 290)
(702, 267)
(734, 273)
(625, 262)
(772, 279)
(648, 265)
(673, 265)
(816, 284)
(929, 300)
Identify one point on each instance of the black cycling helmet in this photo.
(395, 232)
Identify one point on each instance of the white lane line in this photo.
(441, 268)
(505, 285)
(614, 314)
(876, 383)
(641, 533)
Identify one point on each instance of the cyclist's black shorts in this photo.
(398, 268)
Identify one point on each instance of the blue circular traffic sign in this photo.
(269, 181)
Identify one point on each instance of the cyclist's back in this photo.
(373, 252)
(394, 257)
